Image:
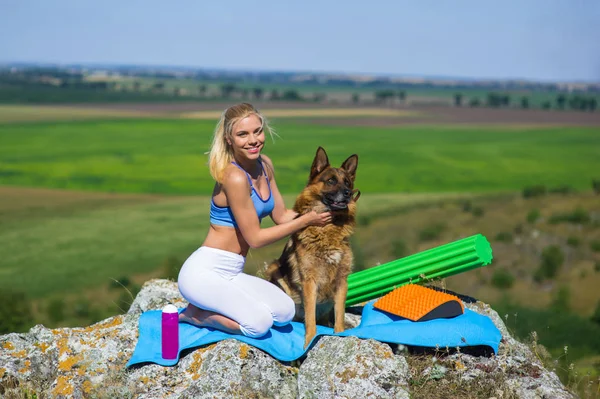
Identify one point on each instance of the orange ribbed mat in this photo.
(418, 303)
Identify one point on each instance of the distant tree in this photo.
(291, 95)
(474, 102)
(593, 103)
(478, 211)
(401, 96)
(458, 99)
(596, 316)
(137, 85)
(536, 190)
(524, 102)
(552, 260)
(245, 93)
(202, 90)
(158, 86)
(574, 102)
(596, 185)
(319, 97)
(227, 89)
(578, 102)
(561, 100)
(383, 96)
(258, 92)
(274, 95)
(546, 105)
(505, 100)
(586, 103)
(578, 216)
(502, 279)
(504, 236)
(355, 98)
(98, 85)
(533, 215)
(494, 100)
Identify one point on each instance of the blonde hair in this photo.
(221, 154)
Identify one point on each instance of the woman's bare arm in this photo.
(280, 213)
(237, 191)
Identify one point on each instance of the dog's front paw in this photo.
(308, 337)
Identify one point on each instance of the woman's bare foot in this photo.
(205, 318)
(194, 315)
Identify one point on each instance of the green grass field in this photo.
(166, 156)
(82, 244)
(138, 200)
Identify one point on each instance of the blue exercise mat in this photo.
(286, 343)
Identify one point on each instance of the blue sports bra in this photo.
(222, 215)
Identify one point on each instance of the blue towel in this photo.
(286, 343)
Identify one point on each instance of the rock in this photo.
(90, 362)
(352, 368)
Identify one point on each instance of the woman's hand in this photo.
(318, 219)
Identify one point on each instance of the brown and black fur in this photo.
(317, 260)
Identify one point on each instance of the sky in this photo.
(542, 40)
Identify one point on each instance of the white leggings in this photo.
(212, 279)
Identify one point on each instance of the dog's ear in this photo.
(350, 165)
(319, 163)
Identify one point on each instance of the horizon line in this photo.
(284, 71)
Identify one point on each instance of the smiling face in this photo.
(247, 138)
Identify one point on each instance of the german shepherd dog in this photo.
(317, 260)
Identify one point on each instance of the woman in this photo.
(221, 296)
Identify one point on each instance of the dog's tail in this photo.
(273, 275)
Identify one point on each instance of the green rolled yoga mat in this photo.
(443, 261)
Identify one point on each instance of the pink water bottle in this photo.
(170, 332)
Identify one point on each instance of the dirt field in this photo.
(29, 113)
(474, 116)
(517, 116)
(38, 113)
(385, 115)
(315, 112)
(181, 107)
(333, 113)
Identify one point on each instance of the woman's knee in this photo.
(285, 311)
(258, 324)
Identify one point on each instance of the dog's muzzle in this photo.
(338, 200)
